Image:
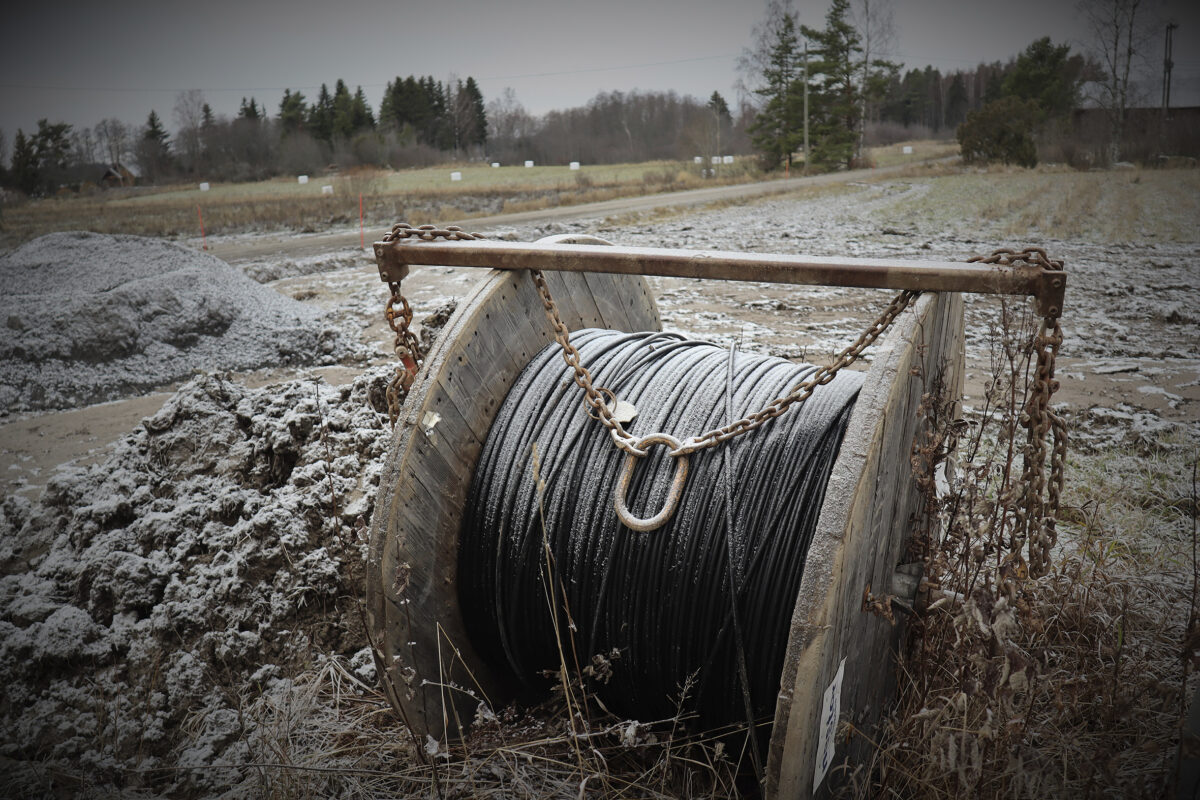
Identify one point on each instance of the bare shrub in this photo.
(1068, 685)
(300, 154)
(882, 134)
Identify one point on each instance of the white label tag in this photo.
(622, 412)
(831, 707)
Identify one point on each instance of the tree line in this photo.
(827, 92)
(420, 121)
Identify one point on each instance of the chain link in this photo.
(398, 314)
(711, 438)
(1036, 507)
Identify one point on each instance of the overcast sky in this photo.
(81, 62)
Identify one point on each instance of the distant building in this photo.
(117, 175)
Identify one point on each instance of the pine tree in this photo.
(956, 101)
(249, 111)
(24, 163)
(153, 149)
(478, 115)
(51, 146)
(206, 117)
(292, 112)
(776, 130)
(361, 118)
(718, 105)
(1048, 75)
(156, 133)
(835, 105)
(320, 116)
(343, 111)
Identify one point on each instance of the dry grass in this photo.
(1109, 206)
(416, 195)
(922, 150)
(1067, 685)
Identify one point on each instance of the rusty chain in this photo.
(711, 438)
(398, 314)
(1036, 507)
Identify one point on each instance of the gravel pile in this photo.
(215, 549)
(89, 317)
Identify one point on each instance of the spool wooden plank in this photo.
(426, 662)
(861, 537)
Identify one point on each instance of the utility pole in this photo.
(1167, 65)
(806, 106)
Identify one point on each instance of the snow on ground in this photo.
(89, 317)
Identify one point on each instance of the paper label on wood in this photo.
(831, 707)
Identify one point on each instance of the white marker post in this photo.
(574, 165)
(495, 165)
(302, 179)
(908, 149)
(529, 163)
(456, 176)
(204, 187)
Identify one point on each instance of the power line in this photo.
(314, 87)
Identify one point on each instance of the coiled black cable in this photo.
(677, 601)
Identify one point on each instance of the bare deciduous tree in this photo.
(113, 136)
(1119, 40)
(510, 126)
(83, 146)
(189, 116)
(875, 22)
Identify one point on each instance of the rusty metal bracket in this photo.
(391, 268)
(1047, 286)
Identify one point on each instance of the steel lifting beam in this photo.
(1047, 286)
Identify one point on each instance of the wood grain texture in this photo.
(430, 672)
(861, 537)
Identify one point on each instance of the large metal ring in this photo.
(673, 495)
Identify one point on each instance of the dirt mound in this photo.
(89, 317)
(145, 598)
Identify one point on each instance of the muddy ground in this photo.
(172, 558)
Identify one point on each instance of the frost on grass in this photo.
(145, 599)
(89, 317)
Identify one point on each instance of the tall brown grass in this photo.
(1068, 685)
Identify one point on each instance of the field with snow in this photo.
(180, 564)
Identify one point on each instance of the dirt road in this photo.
(285, 245)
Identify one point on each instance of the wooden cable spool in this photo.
(428, 668)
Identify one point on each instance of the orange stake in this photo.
(203, 238)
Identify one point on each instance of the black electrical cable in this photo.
(675, 601)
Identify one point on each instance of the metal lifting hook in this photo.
(673, 495)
